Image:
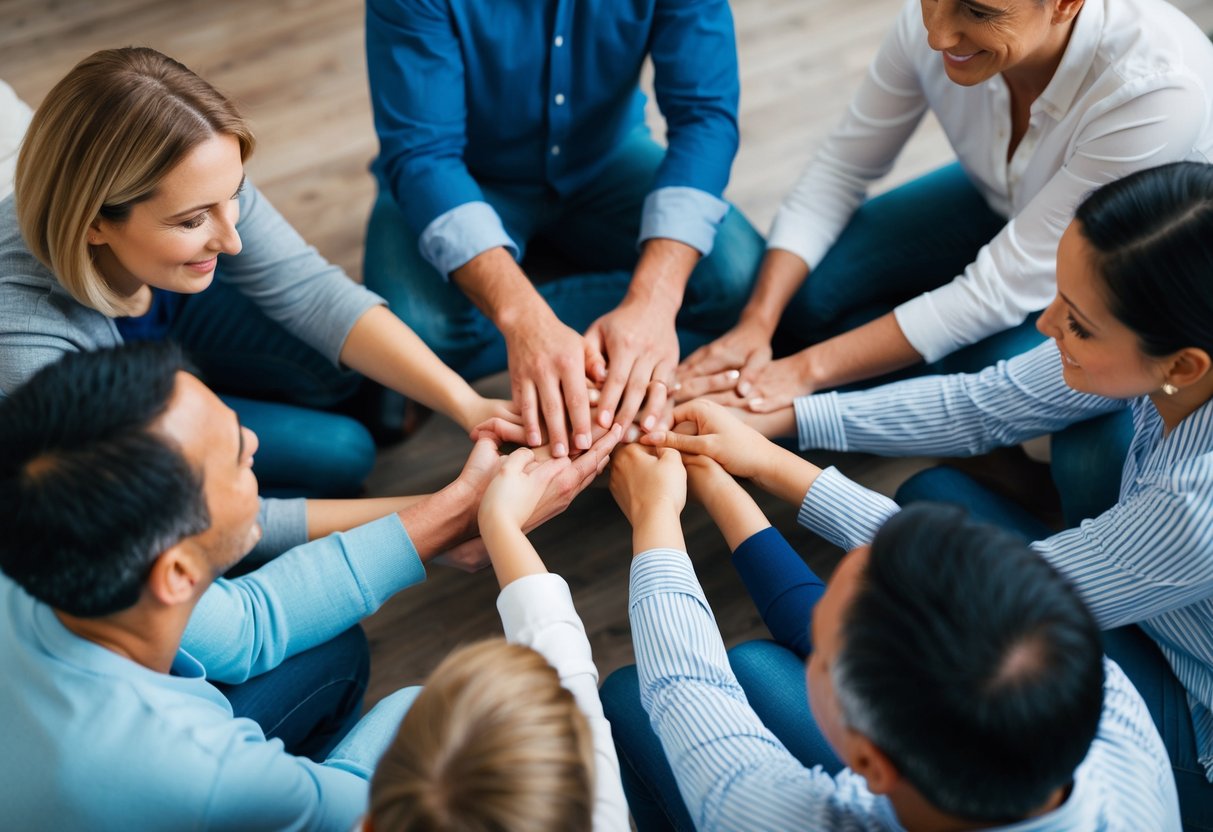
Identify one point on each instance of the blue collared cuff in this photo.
(463, 232)
(657, 571)
(687, 215)
(819, 424)
(843, 511)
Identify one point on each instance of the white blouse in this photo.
(1131, 92)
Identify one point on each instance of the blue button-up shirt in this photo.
(539, 92)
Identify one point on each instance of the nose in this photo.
(941, 33)
(227, 238)
(1049, 322)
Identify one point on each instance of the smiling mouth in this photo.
(1066, 359)
(960, 59)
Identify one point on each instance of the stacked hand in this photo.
(730, 364)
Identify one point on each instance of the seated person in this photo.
(1130, 325)
(132, 220)
(956, 675)
(143, 691)
(508, 734)
(504, 124)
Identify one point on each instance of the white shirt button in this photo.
(559, 98)
(555, 150)
(559, 41)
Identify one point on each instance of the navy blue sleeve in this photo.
(783, 587)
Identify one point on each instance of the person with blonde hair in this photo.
(508, 734)
(132, 220)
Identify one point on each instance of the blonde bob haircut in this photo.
(493, 743)
(101, 141)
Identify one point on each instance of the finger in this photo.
(578, 402)
(768, 404)
(754, 363)
(634, 393)
(595, 364)
(705, 385)
(552, 404)
(517, 461)
(729, 398)
(528, 404)
(655, 397)
(679, 442)
(588, 462)
(500, 430)
(706, 361)
(619, 372)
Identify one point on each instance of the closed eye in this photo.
(1077, 328)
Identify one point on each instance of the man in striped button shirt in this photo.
(954, 672)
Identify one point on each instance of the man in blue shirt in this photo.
(126, 489)
(502, 123)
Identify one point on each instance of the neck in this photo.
(1174, 409)
(1029, 78)
(147, 633)
(917, 815)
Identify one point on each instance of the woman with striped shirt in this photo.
(1132, 323)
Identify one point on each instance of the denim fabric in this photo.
(1088, 459)
(595, 229)
(311, 700)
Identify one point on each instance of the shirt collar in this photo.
(1076, 63)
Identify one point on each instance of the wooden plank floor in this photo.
(297, 69)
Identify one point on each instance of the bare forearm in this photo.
(512, 554)
(779, 276)
(872, 350)
(438, 521)
(500, 289)
(382, 348)
(658, 526)
(735, 513)
(661, 275)
(327, 516)
(786, 475)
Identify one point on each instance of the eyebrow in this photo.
(240, 440)
(1076, 310)
(197, 208)
(983, 9)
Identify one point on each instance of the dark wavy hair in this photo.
(90, 492)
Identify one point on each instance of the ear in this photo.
(96, 234)
(868, 761)
(1066, 11)
(174, 576)
(1187, 367)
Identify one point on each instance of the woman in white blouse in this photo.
(1042, 101)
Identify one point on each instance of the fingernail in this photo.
(617, 429)
(677, 386)
(581, 441)
(559, 450)
(649, 422)
(533, 438)
(733, 375)
(604, 418)
(633, 433)
(594, 395)
(744, 388)
(753, 403)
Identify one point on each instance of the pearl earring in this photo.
(1169, 388)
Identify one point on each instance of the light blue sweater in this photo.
(95, 741)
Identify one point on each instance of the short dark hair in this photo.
(971, 664)
(1152, 233)
(90, 492)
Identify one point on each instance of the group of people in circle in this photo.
(181, 637)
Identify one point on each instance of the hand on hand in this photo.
(772, 387)
(639, 349)
(548, 365)
(706, 479)
(481, 410)
(648, 480)
(730, 363)
(520, 484)
(716, 433)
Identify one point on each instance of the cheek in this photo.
(824, 705)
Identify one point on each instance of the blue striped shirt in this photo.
(1148, 560)
(734, 774)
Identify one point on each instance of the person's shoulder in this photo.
(1146, 38)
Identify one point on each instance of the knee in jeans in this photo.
(931, 485)
(620, 693)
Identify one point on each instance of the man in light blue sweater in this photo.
(127, 489)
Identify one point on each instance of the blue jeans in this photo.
(774, 683)
(311, 700)
(896, 246)
(594, 229)
(1137, 654)
(280, 388)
